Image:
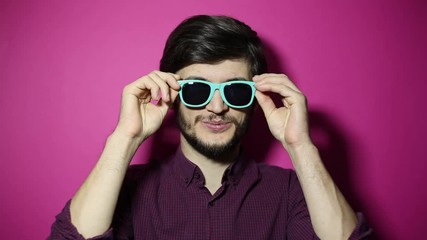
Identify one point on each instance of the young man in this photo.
(213, 73)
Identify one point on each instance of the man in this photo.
(213, 73)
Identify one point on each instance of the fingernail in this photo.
(154, 101)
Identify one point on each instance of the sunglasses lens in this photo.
(238, 94)
(195, 93)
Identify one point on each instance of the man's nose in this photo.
(217, 104)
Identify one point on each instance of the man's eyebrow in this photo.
(195, 78)
(237, 79)
(204, 79)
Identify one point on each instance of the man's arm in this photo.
(331, 215)
(92, 207)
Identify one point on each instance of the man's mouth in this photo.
(216, 126)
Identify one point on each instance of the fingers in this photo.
(154, 86)
(164, 82)
(275, 78)
(281, 85)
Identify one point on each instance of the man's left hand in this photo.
(289, 122)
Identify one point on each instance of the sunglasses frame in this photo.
(213, 88)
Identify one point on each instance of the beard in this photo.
(215, 151)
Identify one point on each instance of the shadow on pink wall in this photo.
(330, 138)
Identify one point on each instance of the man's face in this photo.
(214, 130)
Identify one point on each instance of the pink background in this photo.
(362, 65)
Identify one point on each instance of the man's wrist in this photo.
(122, 144)
(118, 135)
(301, 148)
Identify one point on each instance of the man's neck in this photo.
(212, 169)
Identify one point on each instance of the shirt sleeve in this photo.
(121, 226)
(362, 230)
(62, 228)
(300, 226)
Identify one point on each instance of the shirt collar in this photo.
(186, 169)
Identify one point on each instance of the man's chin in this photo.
(216, 148)
(217, 140)
(215, 145)
(218, 152)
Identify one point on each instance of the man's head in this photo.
(215, 49)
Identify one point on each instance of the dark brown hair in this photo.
(211, 39)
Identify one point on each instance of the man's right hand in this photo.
(140, 116)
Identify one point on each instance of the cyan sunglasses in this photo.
(198, 93)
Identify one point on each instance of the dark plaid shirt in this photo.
(168, 200)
